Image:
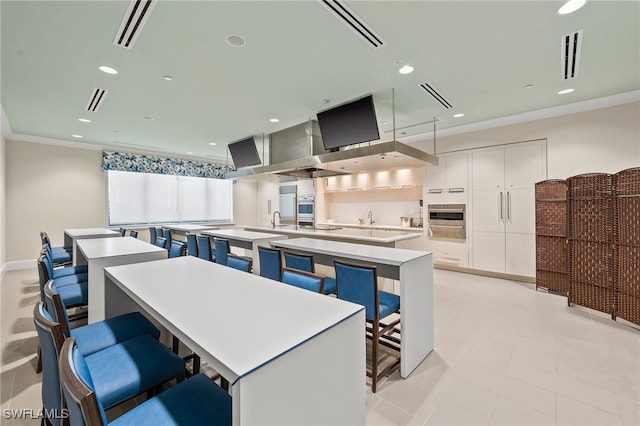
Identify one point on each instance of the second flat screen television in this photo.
(244, 153)
(349, 124)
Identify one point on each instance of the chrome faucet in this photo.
(370, 217)
(273, 219)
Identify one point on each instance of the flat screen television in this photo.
(348, 124)
(244, 153)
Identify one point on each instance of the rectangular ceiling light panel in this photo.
(134, 20)
(349, 18)
(570, 46)
(435, 95)
(95, 99)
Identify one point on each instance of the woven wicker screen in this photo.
(551, 236)
(590, 232)
(627, 244)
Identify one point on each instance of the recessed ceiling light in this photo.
(384, 122)
(458, 115)
(235, 40)
(407, 69)
(145, 117)
(325, 101)
(571, 6)
(213, 143)
(76, 136)
(528, 86)
(84, 120)
(168, 77)
(189, 152)
(274, 120)
(107, 69)
(565, 91)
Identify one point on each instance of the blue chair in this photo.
(241, 263)
(99, 335)
(161, 242)
(62, 271)
(302, 279)
(270, 263)
(73, 288)
(204, 248)
(133, 233)
(222, 250)
(166, 233)
(177, 249)
(61, 255)
(192, 245)
(122, 231)
(305, 262)
(359, 284)
(195, 401)
(120, 372)
(159, 232)
(152, 235)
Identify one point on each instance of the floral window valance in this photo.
(165, 166)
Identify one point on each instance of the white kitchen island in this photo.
(292, 357)
(414, 270)
(410, 239)
(102, 252)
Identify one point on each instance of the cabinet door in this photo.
(488, 210)
(524, 165)
(521, 254)
(488, 169)
(520, 209)
(436, 176)
(489, 251)
(456, 172)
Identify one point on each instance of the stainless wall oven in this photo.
(306, 210)
(447, 221)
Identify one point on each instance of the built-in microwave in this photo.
(306, 210)
(447, 221)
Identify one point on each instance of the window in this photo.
(140, 198)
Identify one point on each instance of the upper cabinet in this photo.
(450, 176)
(378, 180)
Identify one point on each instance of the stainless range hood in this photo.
(304, 139)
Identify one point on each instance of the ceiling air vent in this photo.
(349, 18)
(571, 45)
(134, 19)
(437, 96)
(96, 98)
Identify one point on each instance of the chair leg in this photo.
(39, 364)
(374, 357)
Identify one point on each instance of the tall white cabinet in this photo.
(503, 213)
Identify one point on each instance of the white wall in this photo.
(50, 188)
(601, 140)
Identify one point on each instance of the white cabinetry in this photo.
(503, 207)
(449, 176)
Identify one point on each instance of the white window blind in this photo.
(141, 198)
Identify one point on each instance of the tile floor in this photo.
(504, 354)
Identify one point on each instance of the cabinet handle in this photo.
(501, 207)
(456, 189)
(435, 191)
(508, 206)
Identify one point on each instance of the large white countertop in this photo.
(364, 235)
(374, 226)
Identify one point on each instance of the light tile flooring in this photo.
(504, 354)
